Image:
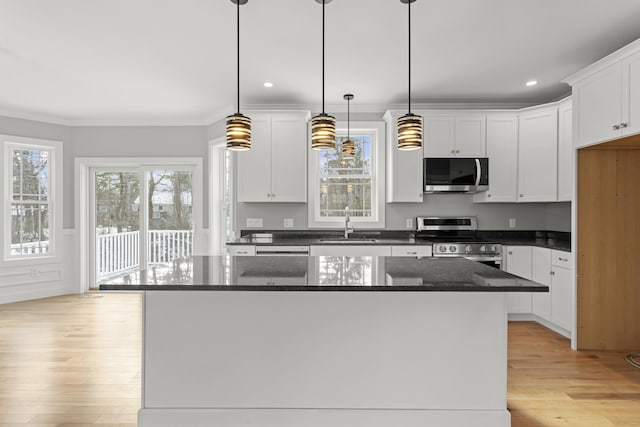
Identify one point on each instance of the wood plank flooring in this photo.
(75, 361)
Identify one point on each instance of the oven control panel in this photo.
(462, 249)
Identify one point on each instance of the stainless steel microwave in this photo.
(455, 174)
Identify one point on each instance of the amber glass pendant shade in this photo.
(323, 132)
(409, 132)
(238, 132)
(348, 150)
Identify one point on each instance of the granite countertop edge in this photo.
(458, 287)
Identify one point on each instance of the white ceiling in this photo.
(79, 61)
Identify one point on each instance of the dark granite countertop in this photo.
(367, 273)
(545, 239)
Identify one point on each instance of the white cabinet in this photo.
(517, 261)
(275, 169)
(410, 250)
(455, 136)
(502, 151)
(350, 250)
(241, 250)
(403, 168)
(607, 97)
(541, 301)
(538, 156)
(562, 295)
(565, 152)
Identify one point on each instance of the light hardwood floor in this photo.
(75, 361)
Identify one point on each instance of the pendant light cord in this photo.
(238, 54)
(323, 3)
(348, 119)
(409, 7)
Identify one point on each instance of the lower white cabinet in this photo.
(517, 261)
(350, 250)
(417, 251)
(541, 266)
(562, 295)
(241, 250)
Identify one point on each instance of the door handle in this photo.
(623, 125)
(616, 127)
(478, 171)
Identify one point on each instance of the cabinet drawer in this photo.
(242, 250)
(561, 259)
(417, 251)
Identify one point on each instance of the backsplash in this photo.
(491, 216)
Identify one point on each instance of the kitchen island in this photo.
(324, 342)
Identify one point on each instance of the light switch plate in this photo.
(512, 223)
(288, 223)
(409, 223)
(254, 223)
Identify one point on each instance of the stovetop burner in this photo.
(456, 236)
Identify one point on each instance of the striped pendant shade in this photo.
(238, 132)
(409, 132)
(348, 150)
(323, 132)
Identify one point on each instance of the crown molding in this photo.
(25, 115)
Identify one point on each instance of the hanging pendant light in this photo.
(409, 125)
(348, 146)
(238, 125)
(323, 126)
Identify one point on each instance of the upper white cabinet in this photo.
(538, 156)
(404, 168)
(565, 152)
(607, 97)
(275, 169)
(502, 151)
(455, 136)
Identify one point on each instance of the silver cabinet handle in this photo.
(563, 259)
(478, 171)
(616, 127)
(624, 125)
(457, 151)
(510, 253)
(488, 195)
(553, 273)
(522, 195)
(453, 151)
(412, 253)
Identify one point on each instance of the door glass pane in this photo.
(170, 209)
(117, 196)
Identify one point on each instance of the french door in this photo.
(141, 217)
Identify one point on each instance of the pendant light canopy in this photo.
(348, 146)
(238, 125)
(323, 126)
(409, 125)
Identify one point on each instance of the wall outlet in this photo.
(288, 223)
(254, 222)
(409, 223)
(512, 223)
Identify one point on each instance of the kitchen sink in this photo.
(349, 240)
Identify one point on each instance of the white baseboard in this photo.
(530, 317)
(321, 418)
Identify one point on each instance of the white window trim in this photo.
(378, 181)
(83, 201)
(10, 142)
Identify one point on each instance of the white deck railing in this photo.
(119, 252)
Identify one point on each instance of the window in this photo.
(29, 191)
(336, 183)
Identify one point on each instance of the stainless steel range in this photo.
(458, 237)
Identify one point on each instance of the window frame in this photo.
(54, 194)
(378, 142)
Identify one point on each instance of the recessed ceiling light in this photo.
(532, 82)
(268, 84)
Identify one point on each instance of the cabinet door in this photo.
(253, 173)
(562, 300)
(470, 136)
(518, 262)
(538, 157)
(288, 159)
(565, 153)
(404, 169)
(541, 273)
(599, 103)
(631, 94)
(502, 144)
(439, 136)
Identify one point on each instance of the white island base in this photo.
(324, 359)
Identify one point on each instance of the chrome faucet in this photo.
(348, 228)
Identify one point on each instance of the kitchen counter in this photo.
(324, 341)
(327, 273)
(545, 239)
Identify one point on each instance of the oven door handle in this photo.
(496, 258)
(478, 171)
